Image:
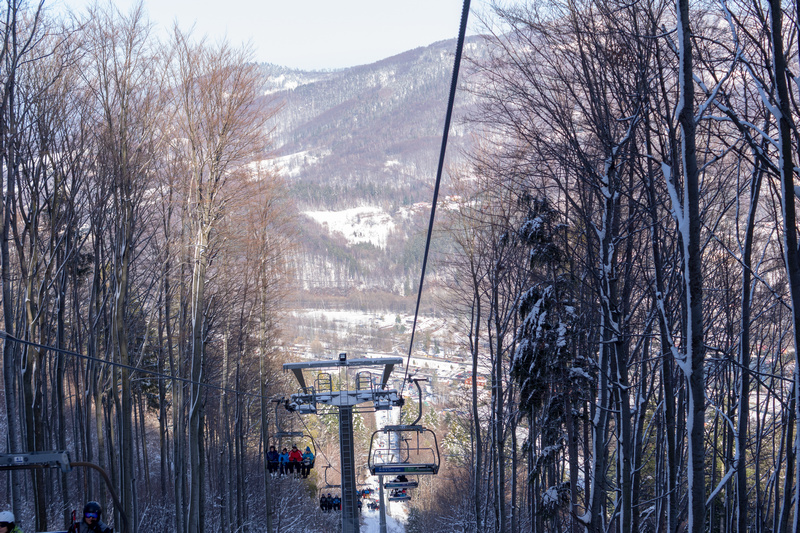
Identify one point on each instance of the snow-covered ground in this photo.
(359, 224)
(355, 319)
(396, 512)
(290, 165)
(372, 522)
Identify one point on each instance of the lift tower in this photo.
(367, 389)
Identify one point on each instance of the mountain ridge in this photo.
(366, 137)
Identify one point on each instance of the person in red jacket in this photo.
(295, 460)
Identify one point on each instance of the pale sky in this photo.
(311, 34)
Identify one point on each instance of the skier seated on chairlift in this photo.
(272, 460)
(330, 502)
(295, 460)
(337, 503)
(7, 523)
(400, 479)
(323, 503)
(91, 522)
(308, 462)
(283, 462)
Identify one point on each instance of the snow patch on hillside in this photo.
(290, 80)
(413, 210)
(354, 320)
(358, 225)
(291, 165)
(280, 83)
(448, 203)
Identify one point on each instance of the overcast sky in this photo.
(312, 34)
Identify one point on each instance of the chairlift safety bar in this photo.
(400, 484)
(388, 363)
(404, 468)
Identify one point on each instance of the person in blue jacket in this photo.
(308, 462)
(283, 461)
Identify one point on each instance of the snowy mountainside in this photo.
(359, 149)
(357, 225)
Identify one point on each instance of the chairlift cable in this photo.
(318, 448)
(8, 336)
(453, 85)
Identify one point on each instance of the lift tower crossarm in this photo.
(344, 401)
(57, 459)
(388, 362)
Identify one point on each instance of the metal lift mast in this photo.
(366, 390)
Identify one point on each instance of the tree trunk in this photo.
(196, 500)
(264, 405)
(120, 339)
(474, 340)
(741, 517)
(162, 393)
(226, 503)
(689, 227)
(597, 488)
(499, 406)
(786, 168)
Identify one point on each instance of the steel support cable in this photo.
(462, 31)
(319, 449)
(8, 336)
(132, 368)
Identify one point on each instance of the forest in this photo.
(623, 259)
(145, 250)
(627, 259)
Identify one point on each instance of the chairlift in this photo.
(416, 452)
(285, 439)
(399, 495)
(327, 485)
(326, 489)
(405, 484)
(281, 435)
(60, 459)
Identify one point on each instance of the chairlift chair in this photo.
(400, 484)
(301, 439)
(327, 486)
(417, 453)
(398, 496)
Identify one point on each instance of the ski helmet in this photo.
(92, 507)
